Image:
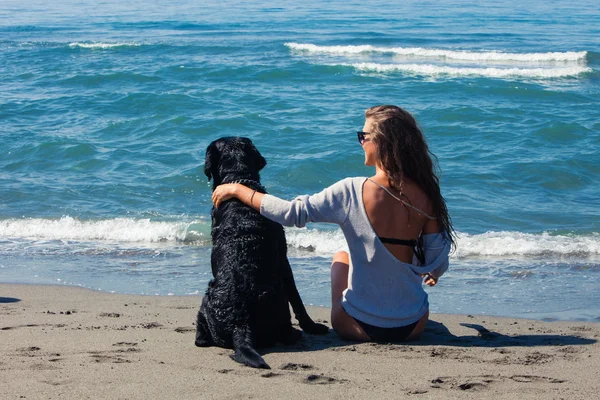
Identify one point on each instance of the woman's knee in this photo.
(339, 271)
(341, 257)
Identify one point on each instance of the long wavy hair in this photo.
(403, 152)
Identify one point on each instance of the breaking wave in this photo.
(500, 244)
(117, 230)
(100, 45)
(436, 70)
(462, 55)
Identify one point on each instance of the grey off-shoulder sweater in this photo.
(382, 290)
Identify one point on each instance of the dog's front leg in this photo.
(305, 321)
(244, 349)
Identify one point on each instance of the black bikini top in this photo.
(416, 245)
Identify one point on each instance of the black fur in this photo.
(246, 303)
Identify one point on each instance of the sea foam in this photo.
(441, 70)
(305, 242)
(463, 55)
(101, 45)
(452, 63)
(117, 230)
(500, 244)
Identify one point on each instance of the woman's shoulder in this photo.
(351, 182)
(355, 180)
(345, 189)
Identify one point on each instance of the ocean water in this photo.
(107, 107)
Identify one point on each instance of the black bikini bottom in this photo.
(378, 334)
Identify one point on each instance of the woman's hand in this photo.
(429, 279)
(223, 193)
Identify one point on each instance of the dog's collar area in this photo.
(248, 182)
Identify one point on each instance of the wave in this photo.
(462, 55)
(117, 230)
(302, 242)
(527, 244)
(437, 70)
(500, 244)
(100, 45)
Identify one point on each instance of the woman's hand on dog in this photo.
(235, 190)
(224, 192)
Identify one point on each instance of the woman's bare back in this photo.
(391, 218)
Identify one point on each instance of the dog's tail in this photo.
(244, 351)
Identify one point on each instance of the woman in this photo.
(396, 224)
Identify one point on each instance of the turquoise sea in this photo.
(106, 109)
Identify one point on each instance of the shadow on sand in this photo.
(4, 300)
(438, 334)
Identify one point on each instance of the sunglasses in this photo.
(361, 137)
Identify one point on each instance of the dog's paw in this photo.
(314, 328)
(202, 339)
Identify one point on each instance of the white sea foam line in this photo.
(428, 69)
(326, 243)
(322, 243)
(440, 53)
(101, 45)
(518, 243)
(118, 229)
(318, 242)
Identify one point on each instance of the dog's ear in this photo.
(211, 160)
(259, 160)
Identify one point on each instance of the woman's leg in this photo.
(342, 323)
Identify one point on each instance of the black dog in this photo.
(246, 303)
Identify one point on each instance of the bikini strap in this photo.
(403, 242)
(402, 201)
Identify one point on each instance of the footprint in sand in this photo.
(151, 325)
(111, 315)
(481, 382)
(105, 358)
(185, 329)
(296, 367)
(321, 380)
(32, 348)
(535, 378)
(224, 371)
(269, 375)
(126, 344)
(462, 383)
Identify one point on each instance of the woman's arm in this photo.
(431, 278)
(249, 197)
(330, 205)
(437, 249)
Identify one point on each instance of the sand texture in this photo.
(72, 343)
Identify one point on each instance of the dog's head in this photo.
(232, 158)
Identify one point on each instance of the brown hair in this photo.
(403, 151)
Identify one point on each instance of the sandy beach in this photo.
(66, 342)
